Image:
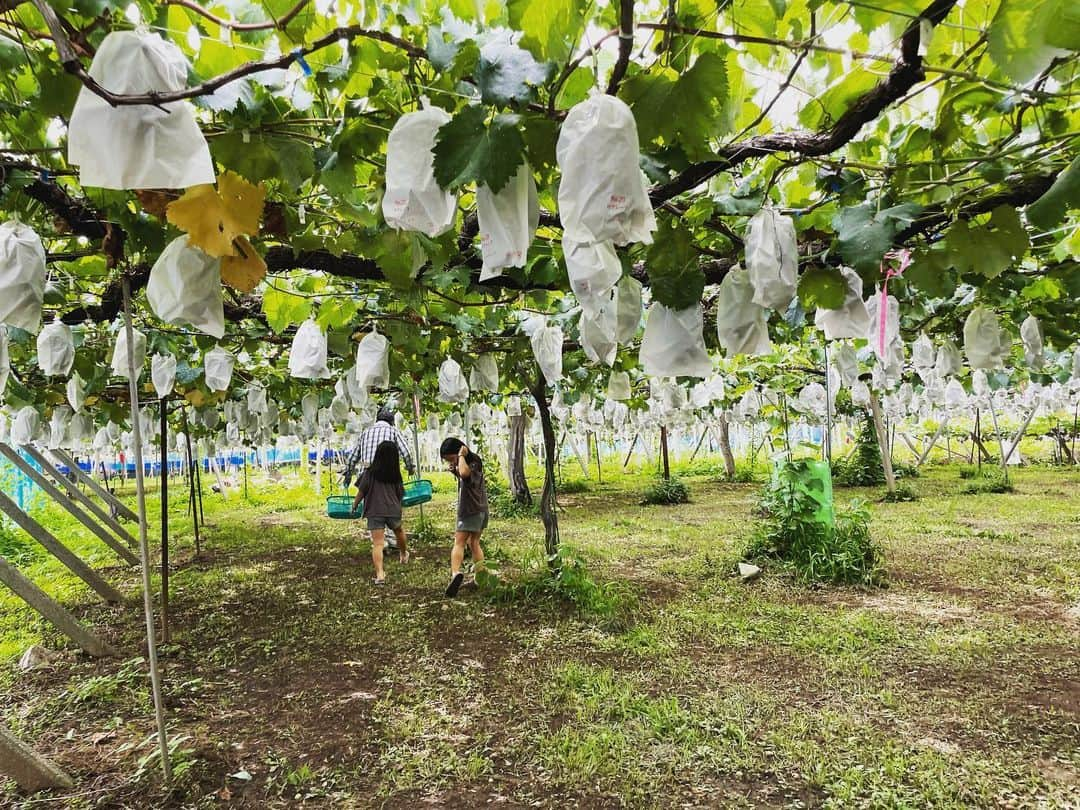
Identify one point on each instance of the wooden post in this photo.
(144, 544)
(52, 611)
(1001, 442)
(701, 441)
(164, 408)
(519, 484)
(98, 489)
(1020, 435)
(59, 550)
(883, 442)
(54, 492)
(664, 452)
(725, 447)
(73, 490)
(599, 472)
(30, 771)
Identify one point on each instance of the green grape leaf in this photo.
(284, 308)
(931, 271)
(992, 248)
(1020, 38)
(550, 28)
(865, 234)
(336, 313)
(1046, 288)
(836, 100)
(265, 157)
(822, 287)
(541, 135)
(507, 74)
(1053, 206)
(395, 254)
(11, 53)
(675, 279)
(469, 151)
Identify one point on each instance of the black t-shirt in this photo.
(472, 491)
(380, 499)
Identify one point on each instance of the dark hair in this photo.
(451, 446)
(385, 414)
(386, 466)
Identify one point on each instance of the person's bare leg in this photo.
(457, 553)
(402, 545)
(476, 551)
(378, 539)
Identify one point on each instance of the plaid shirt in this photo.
(370, 439)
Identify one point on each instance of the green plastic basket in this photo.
(417, 492)
(340, 507)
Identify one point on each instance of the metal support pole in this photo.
(164, 408)
(144, 544)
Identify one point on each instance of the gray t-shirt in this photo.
(472, 491)
(380, 499)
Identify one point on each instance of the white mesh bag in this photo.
(986, 344)
(58, 426)
(307, 358)
(163, 374)
(25, 427)
(185, 288)
(1032, 337)
(618, 386)
(674, 344)
(547, 346)
(851, 319)
(772, 258)
(922, 355)
(141, 145)
(741, 324)
(218, 368)
(372, 369)
(593, 269)
(1075, 375)
(955, 396)
(120, 352)
(55, 349)
(948, 362)
(484, 375)
(22, 276)
(413, 200)
(598, 335)
(628, 309)
(507, 222)
(812, 400)
(452, 384)
(846, 362)
(602, 192)
(860, 394)
(892, 323)
(76, 392)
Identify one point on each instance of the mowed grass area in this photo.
(656, 679)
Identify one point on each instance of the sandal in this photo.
(379, 581)
(455, 585)
(404, 559)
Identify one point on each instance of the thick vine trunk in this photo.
(883, 442)
(519, 485)
(547, 497)
(664, 453)
(725, 448)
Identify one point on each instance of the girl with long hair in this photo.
(381, 490)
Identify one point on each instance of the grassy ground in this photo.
(653, 678)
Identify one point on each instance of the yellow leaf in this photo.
(243, 272)
(195, 397)
(213, 218)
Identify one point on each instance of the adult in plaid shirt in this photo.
(382, 431)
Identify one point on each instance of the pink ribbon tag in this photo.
(903, 259)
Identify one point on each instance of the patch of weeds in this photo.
(862, 467)
(126, 687)
(426, 532)
(904, 493)
(16, 547)
(503, 504)
(298, 782)
(968, 472)
(992, 481)
(566, 581)
(181, 759)
(745, 474)
(666, 492)
(574, 486)
(794, 533)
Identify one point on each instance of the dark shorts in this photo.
(472, 523)
(376, 523)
